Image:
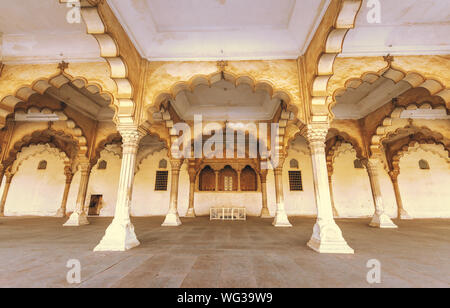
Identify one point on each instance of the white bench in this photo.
(228, 213)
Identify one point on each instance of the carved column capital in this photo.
(69, 174)
(130, 139)
(176, 164)
(263, 175)
(9, 177)
(393, 174)
(316, 135)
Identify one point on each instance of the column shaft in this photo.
(192, 178)
(172, 217)
(265, 209)
(9, 177)
(281, 219)
(120, 235)
(327, 237)
(380, 219)
(79, 216)
(63, 209)
(330, 183)
(402, 213)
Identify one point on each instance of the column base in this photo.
(382, 221)
(327, 238)
(118, 237)
(190, 213)
(265, 213)
(60, 213)
(76, 220)
(172, 220)
(281, 220)
(404, 215)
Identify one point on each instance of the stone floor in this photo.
(200, 253)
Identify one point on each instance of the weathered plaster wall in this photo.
(297, 203)
(105, 183)
(425, 193)
(36, 192)
(351, 186)
(148, 202)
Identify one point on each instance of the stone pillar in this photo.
(326, 237)
(79, 216)
(265, 209)
(402, 213)
(69, 176)
(2, 174)
(380, 219)
(120, 235)
(239, 180)
(330, 183)
(9, 177)
(281, 219)
(192, 177)
(217, 179)
(172, 218)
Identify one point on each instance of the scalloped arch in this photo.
(387, 127)
(29, 140)
(425, 145)
(146, 153)
(37, 149)
(209, 80)
(70, 123)
(109, 50)
(333, 47)
(415, 80)
(40, 86)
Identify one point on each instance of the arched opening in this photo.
(207, 179)
(39, 169)
(249, 180)
(228, 179)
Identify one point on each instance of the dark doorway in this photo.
(94, 205)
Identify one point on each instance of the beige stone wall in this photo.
(36, 192)
(105, 183)
(425, 193)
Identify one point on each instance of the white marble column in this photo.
(120, 235)
(281, 219)
(69, 176)
(330, 183)
(79, 216)
(265, 210)
(326, 237)
(380, 219)
(192, 177)
(9, 177)
(402, 213)
(172, 217)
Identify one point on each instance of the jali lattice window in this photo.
(295, 181)
(228, 183)
(161, 180)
